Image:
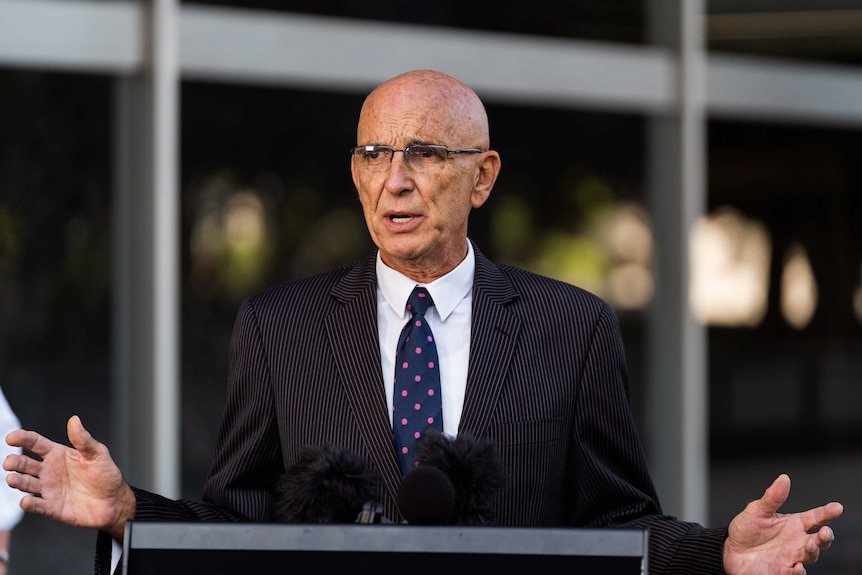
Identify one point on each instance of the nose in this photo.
(399, 178)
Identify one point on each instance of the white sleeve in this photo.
(10, 499)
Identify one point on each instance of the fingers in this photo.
(824, 538)
(41, 446)
(26, 483)
(816, 543)
(811, 551)
(28, 471)
(35, 505)
(775, 495)
(80, 438)
(22, 464)
(820, 516)
(31, 441)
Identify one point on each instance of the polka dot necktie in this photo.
(416, 402)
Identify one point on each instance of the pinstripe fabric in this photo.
(566, 435)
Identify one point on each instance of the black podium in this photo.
(157, 548)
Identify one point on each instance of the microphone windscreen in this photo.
(325, 485)
(473, 466)
(426, 497)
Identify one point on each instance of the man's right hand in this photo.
(79, 485)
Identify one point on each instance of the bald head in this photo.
(427, 99)
(418, 216)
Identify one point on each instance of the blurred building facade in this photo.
(694, 163)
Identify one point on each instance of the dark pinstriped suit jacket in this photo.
(547, 381)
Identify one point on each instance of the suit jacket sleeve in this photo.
(613, 485)
(247, 460)
(247, 457)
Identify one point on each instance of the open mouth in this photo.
(399, 219)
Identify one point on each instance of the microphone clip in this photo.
(372, 513)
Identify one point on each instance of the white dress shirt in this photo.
(449, 320)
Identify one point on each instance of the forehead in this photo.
(405, 115)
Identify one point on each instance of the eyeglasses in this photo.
(421, 157)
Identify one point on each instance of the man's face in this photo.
(418, 219)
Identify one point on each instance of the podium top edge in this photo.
(385, 537)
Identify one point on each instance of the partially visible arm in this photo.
(5, 535)
(10, 508)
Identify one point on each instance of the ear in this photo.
(488, 170)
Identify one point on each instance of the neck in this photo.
(423, 271)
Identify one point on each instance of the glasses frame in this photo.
(405, 151)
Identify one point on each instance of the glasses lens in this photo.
(426, 157)
(373, 158)
(421, 157)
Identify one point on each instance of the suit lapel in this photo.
(353, 337)
(495, 332)
(352, 332)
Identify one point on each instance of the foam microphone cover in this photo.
(426, 497)
(325, 485)
(474, 468)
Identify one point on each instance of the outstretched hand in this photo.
(79, 485)
(761, 541)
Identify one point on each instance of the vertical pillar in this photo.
(677, 435)
(145, 427)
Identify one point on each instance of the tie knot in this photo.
(419, 300)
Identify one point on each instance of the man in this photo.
(533, 364)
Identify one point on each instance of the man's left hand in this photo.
(761, 541)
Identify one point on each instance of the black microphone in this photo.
(473, 467)
(326, 485)
(426, 496)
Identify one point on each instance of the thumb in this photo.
(776, 494)
(80, 438)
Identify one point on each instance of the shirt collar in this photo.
(447, 291)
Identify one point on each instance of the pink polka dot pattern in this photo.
(416, 401)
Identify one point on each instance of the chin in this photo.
(400, 258)
(403, 249)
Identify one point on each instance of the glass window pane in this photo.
(801, 185)
(55, 276)
(785, 395)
